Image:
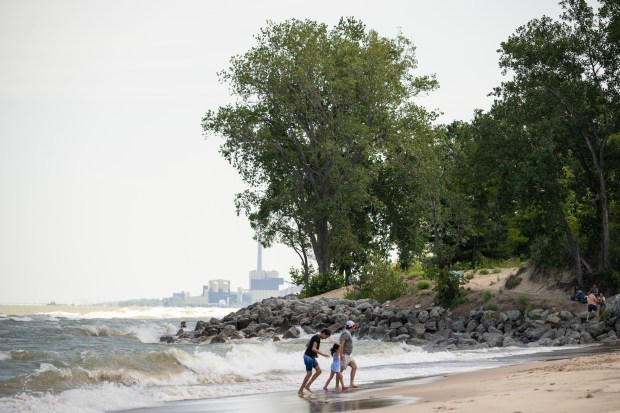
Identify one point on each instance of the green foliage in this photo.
(499, 263)
(557, 117)
(490, 307)
(522, 300)
(448, 285)
(321, 122)
(415, 271)
(423, 284)
(319, 284)
(461, 266)
(517, 240)
(342, 164)
(615, 280)
(546, 252)
(378, 279)
(486, 296)
(299, 277)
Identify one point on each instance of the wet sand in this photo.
(568, 381)
(579, 384)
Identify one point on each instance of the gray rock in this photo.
(291, 333)
(493, 339)
(219, 339)
(513, 315)
(423, 316)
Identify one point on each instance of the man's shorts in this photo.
(344, 363)
(310, 362)
(591, 307)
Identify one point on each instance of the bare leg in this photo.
(339, 381)
(317, 374)
(353, 370)
(331, 375)
(303, 384)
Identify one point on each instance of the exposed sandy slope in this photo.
(550, 291)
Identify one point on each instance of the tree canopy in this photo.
(320, 115)
(344, 167)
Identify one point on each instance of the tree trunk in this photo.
(434, 218)
(320, 246)
(574, 249)
(597, 160)
(605, 240)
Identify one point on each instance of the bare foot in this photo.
(353, 386)
(308, 388)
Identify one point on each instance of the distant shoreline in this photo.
(30, 309)
(115, 311)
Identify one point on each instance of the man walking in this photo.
(346, 348)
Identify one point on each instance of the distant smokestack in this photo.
(259, 261)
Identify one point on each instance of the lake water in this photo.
(93, 360)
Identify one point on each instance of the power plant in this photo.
(263, 284)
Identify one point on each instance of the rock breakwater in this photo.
(432, 327)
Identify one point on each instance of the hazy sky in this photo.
(108, 189)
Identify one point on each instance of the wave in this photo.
(92, 366)
(16, 318)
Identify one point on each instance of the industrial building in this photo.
(263, 284)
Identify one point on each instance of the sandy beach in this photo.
(580, 384)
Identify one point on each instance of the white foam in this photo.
(234, 368)
(149, 333)
(21, 318)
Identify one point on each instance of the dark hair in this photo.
(334, 348)
(327, 332)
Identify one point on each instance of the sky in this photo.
(109, 190)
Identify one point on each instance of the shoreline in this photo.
(587, 378)
(580, 383)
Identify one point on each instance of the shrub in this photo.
(423, 284)
(486, 296)
(415, 271)
(522, 299)
(512, 282)
(496, 270)
(490, 307)
(449, 287)
(378, 279)
(321, 283)
(484, 271)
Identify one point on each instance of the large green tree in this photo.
(564, 94)
(318, 111)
